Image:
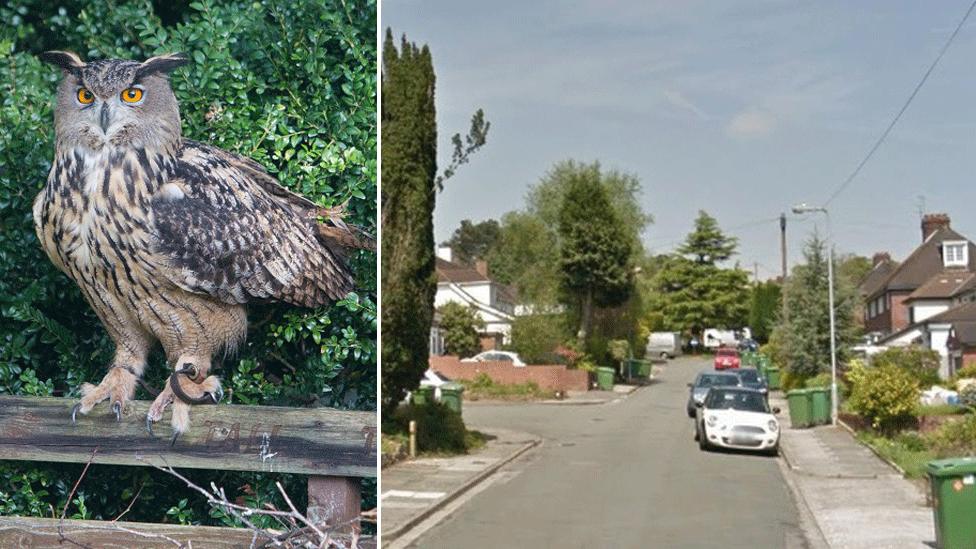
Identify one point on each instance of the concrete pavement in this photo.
(623, 474)
(857, 500)
(414, 490)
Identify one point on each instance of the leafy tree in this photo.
(461, 325)
(623, 190)
(595, 257)
(410, 166)
(707, 244)
(473, 241)
(691, 292)
(853, 268)
(526, 255)
(804, 337)
(764, 309)
(291, 84)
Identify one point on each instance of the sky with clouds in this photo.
(739, 108)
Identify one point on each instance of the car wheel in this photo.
(702, 443)
(774, 451)
(697, 436)
(665, 356)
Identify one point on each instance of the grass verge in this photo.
(908, 450)
(485, 388)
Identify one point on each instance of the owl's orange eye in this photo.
(85, 97)
(131, 95)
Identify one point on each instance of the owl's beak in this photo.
(103, 120)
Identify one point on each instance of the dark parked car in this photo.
(749, 377)
(705, 381)
(749, 345)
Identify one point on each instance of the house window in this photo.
(955, 254)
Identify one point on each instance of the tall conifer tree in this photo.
(409, 160)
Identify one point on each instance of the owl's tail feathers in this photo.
(339, 236)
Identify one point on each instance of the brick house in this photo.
(961, 342)
(473, 286)
(889, 304)
(927, 299)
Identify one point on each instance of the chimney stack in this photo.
(880, 258)
(444, 252)
(932, 223)
(481, 266)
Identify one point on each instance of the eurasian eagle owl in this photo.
(169, 238)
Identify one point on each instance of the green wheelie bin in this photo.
(423, 395)
(772, 377)
(604, 378)
(801, 408)
(452, 395)
(821, 405)
(643, 369)
(953, 483)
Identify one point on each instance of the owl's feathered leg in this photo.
(119, 384)
(190, 385)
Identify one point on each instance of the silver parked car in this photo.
(698, 389)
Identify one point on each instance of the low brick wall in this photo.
(550, 376)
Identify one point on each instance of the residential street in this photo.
(626, 474)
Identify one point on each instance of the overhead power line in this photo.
(904, 107)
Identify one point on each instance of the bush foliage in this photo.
(920, 363)
(460, 325)
(885, 395)
(439, 429)
(536, 337)
(288, 83)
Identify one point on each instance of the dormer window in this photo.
(955, 253)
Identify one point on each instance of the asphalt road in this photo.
(622, 475)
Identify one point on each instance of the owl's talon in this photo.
(117, 408)
(74, 412)
(149, 423)
(172, 442)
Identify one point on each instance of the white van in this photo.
(663, 344)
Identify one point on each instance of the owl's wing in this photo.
(222, 226)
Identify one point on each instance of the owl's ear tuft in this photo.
(68, 61)
(162, 64)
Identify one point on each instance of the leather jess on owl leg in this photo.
(192, 386)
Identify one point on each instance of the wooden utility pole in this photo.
(782, 248)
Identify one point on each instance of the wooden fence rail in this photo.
(332, 446)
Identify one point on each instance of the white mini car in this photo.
(496, 356)
(739, 418)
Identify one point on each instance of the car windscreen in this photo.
(712, 380)
(749, 376)
(736, 400)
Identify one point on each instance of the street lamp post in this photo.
(802, 209)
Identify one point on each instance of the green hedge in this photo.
(290, 83)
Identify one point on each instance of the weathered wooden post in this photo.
(334, 501)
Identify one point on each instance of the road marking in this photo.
(411, 494)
